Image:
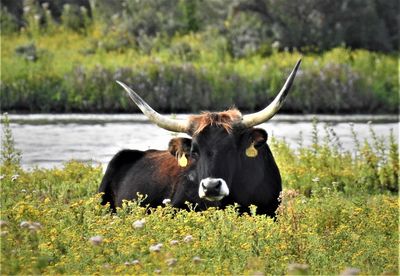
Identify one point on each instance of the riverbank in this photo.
(73, 72)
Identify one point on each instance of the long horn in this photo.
(267, 113)
(160, 120)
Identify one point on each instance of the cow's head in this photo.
(218, 150)
(222, 142)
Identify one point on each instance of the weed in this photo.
(10, 156)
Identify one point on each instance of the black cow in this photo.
(227, 161)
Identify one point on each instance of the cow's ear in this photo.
(179, 146)
(257, 137)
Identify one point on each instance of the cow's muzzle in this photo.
(213, 189)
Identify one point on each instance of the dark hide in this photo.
(153, 173)
(214, 152)
(251, 180)
(226, 162)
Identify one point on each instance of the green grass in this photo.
(76, 72)
(338, 210)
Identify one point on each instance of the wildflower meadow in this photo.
(338, 212)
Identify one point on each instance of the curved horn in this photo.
(267, 113)
(160, 120)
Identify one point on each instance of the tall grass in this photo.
(338, 210)
(67, 71)
(372, 167)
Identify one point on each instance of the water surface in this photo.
(49, 140)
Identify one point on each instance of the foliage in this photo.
(10, 156)
(7, 22)
(74, 72)
(327, 231)
(177, 52)
(372, 167)
(312, 25)
(320, 25)
(332, 216)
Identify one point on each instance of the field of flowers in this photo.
(339, 210)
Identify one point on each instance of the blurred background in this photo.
(184, 56)
(187, 55)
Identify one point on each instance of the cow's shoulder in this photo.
(123, 160)
(124, 157)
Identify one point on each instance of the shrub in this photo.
(49, 70)
(371, 168)
(10, 156)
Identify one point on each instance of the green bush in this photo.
(372, 167)
(61, 70)
(191, 76)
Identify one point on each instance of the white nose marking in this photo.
(210, 182)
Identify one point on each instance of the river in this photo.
(48, 140)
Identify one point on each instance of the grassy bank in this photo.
(61, 70)
(339, 210)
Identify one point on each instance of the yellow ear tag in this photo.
(251, 151)
(182, 161)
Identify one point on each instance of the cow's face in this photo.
(217, 156)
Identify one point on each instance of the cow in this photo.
(225, 161)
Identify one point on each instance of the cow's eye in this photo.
(194, 153)
(210, 153)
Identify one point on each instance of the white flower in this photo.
(171, 261)
(24, 224)
(45, 5)
(115, 16)
(14, 177)
(197, 259)
(139, 223)
(166, 201)
(188, 238)
(32, 228)
(3, 223)
(135, 262)
(173, 242)
(37, 225)
(96, 240)
(67, 7)
(315, 179)
(156, 248)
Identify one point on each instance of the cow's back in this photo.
(116, 171)
(150, 173)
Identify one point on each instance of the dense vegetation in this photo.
(339, 209)
(182, 56)
(250, 26)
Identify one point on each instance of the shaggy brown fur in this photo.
(166, 163)
(225, 119)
